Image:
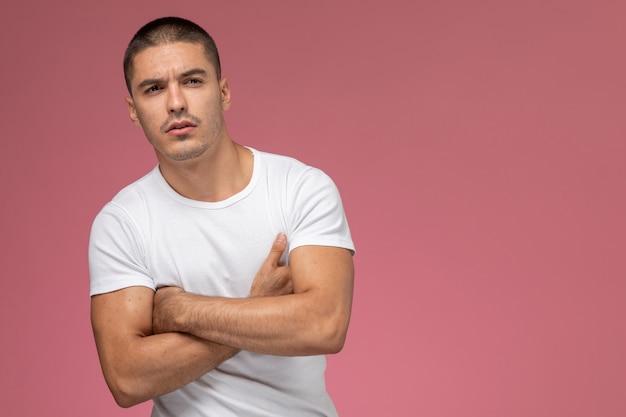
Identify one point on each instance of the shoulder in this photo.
(276, 162)
(137, 190)
(291, 170)
(130, 203)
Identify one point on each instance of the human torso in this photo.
(215, 249)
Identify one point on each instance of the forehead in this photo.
(170, 59)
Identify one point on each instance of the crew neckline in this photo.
(213, 204)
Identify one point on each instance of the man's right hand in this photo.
(273, 279)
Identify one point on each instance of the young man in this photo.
(187, 307)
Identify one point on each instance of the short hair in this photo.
(168, 30)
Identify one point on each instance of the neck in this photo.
(214, 176)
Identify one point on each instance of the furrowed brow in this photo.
(150, 81)
(193, 71)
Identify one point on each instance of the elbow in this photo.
(331, 336)
(125, 392)
(336, 342)
(124, 400)
(334, 346)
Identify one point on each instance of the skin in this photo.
(175, 82)
(153, 343)
(139, 365)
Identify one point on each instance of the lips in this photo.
(180, 126)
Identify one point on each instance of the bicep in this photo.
(327, 272)
(119, 317)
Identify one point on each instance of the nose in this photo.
(176, 100)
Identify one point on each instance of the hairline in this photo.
(131, 61)
(169, 30)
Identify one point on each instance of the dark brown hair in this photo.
(167, 30)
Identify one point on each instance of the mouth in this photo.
(180, 127)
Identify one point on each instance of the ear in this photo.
(132, 111)
(225, 89)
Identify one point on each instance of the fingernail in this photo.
(281, 237)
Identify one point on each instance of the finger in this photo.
(278, 247)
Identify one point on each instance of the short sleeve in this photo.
(116, 253)
(316, 213)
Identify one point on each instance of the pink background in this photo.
(479, 147)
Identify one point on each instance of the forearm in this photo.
(137, 364)
(154, 365)
(293, 324)
(310, 320)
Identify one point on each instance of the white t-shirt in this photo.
(149, 235)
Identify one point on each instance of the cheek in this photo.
(147, 120)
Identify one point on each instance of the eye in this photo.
(193, 81)
(153, 89)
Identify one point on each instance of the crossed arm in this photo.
(151, 344)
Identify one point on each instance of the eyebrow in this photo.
(193, 71)
(151, 81)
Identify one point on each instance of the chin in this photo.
(186, 154)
